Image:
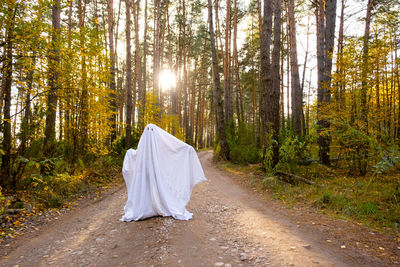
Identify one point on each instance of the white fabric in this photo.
(160, 176)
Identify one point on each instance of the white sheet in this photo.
(160, 176)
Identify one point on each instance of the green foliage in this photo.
(119, 145)
(376, 204)
(292, 151)
(388, 160)
(268, 153)
(356, 147)
(3, 202)
(243, 149)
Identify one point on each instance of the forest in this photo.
(306, 90)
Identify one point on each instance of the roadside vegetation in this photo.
(341, 189)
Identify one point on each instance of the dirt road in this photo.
(232, 226)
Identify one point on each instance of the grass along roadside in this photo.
(375, 203)
(38, 197)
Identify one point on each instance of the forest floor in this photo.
(232, 226)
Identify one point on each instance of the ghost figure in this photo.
(160, 176)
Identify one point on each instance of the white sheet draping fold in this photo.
(160, 176)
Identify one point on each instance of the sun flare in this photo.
(167, 80)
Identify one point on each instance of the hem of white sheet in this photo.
(182, 217)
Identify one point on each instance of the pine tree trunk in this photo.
(326, 19)
(265, 65)
(84, 112)
(339, 64)
(26, 121)
(156, 50)
(217, 90)
(227, 66)
(185, 76)
(128, 119)
(297, 91)
(6, 92)
(138, 69)
(273, 107)
(144, 82)
(365, 66)
(120, 92)
(305, 129)
(238, 90)
(112, 95)
(54, 59)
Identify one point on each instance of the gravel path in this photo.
(231, 226)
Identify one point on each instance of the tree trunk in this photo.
(339, 64)
(273, 107)
(329, 42)
(128, 128)
(54, 60)
(113, 100)
(26, 121)
(227, 66)
(84, 97)
(217, 91)
(188, 139)
(138, 68)
(265, 65)
(365, 66)
(120, 96)
(305, 129)
(144, 82)
(69, 130)
(156, 50)
(238, 90)
(6, 90)
(297, 91)
(326, 19)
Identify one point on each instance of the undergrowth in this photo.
(42, 184)
(375, 204)
(39, 191)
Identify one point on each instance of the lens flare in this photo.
(167, 80)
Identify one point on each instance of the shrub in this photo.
(244, 154)
(119, 146)
(355, 146)
(242, 146)
(293, 150)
